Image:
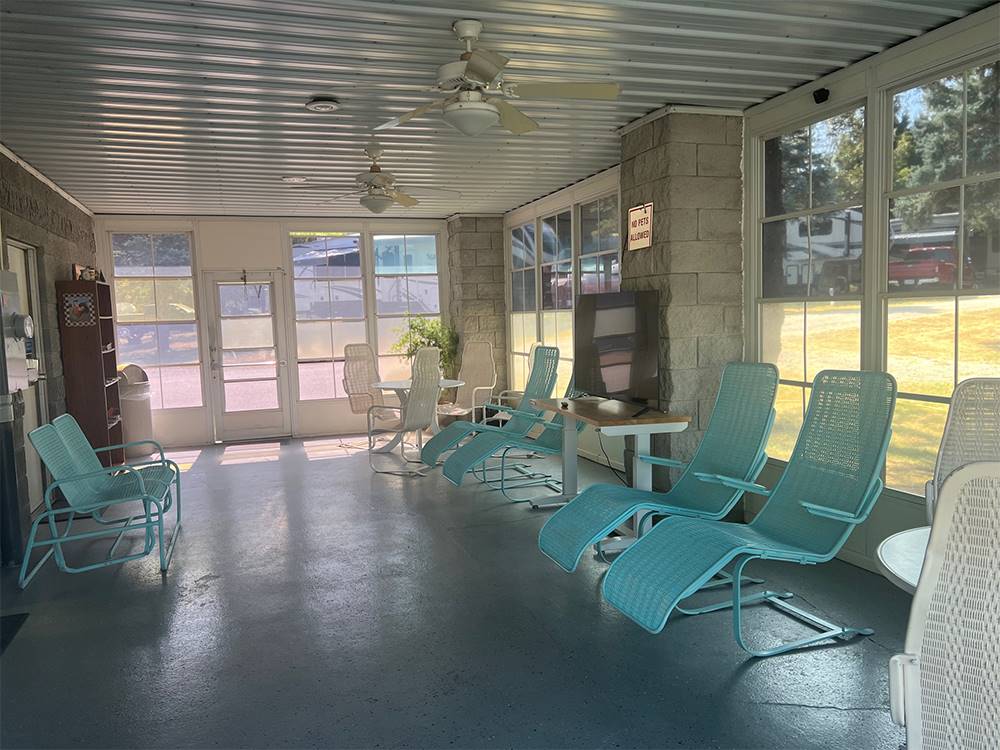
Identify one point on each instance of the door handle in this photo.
(283, 362)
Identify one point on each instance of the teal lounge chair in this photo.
(830, 485)
(92, 490)
(541, 380)
(733, 446)
(475, 453)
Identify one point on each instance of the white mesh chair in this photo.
(360, 376)
(479, 377)
(946, 688)
(972, 432)
(416, 414)
(509, 396)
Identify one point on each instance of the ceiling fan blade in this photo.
(410, 115)
(403, 199)
(567, 90)
(514, 119)
(485, 65)
(316, 186)
(443, 192)
(352, 194)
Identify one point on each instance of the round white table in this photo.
(402, 389)
(901, 556)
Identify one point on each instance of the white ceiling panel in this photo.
(196, 106)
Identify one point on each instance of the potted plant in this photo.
(422, 332)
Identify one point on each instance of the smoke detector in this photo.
(323, 104)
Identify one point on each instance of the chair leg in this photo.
(402, 451)
(828, 630)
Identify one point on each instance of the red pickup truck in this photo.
(927, 266)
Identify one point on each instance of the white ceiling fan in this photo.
(377, 188)
(478, 92)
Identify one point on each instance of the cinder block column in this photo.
(690, 167)
(477, 301)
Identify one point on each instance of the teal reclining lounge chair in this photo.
(91, 490)
(473, 455)
(733, 446)
(830, 485)
(541, 380)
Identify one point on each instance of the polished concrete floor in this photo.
(313, 604)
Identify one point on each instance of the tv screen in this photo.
(618, 346)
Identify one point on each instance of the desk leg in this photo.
(569, 461)
(642, 479)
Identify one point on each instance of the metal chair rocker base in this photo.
(526, 476)
(153, 526)
(777, 599)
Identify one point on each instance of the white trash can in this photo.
(137, 410)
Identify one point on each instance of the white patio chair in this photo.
(479, 376)
(360, 376)
(415, 415)
(972, 432)
(509, 396)
(946, 688)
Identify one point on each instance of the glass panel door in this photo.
(249, 369)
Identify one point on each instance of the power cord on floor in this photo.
(621, 477)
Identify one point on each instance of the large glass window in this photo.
(156, 315)
(406, 285)
(809, 313)
(600, 265)
(523, 318)
(942, 307)
(329, 308)
(555, 274)
(546, 254)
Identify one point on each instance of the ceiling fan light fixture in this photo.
(471, 117)
(323, 104)
(376, 202)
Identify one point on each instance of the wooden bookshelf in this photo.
(90, 364)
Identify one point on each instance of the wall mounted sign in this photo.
(640, 227)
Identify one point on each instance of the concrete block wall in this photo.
(690, 167)
(35, 214)
(477, 299)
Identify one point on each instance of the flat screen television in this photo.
(618, 346)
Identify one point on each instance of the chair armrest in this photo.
(833, 514)
(155, 444)
(534, 417)
(673, 463)
(488, 389)
(106, 471)
(733, 483)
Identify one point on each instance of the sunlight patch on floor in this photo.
(252, 453)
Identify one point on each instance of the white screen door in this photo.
(248, 361)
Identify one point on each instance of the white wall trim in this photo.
(687, 109)
(42, 178)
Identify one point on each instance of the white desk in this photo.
(402, 389)
(608, 417)
(901, 556)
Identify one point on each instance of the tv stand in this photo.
(609, 417)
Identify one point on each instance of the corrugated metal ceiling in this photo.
(157, 106)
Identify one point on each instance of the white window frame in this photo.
(963, 44)
(154, 228)
(367, 230)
